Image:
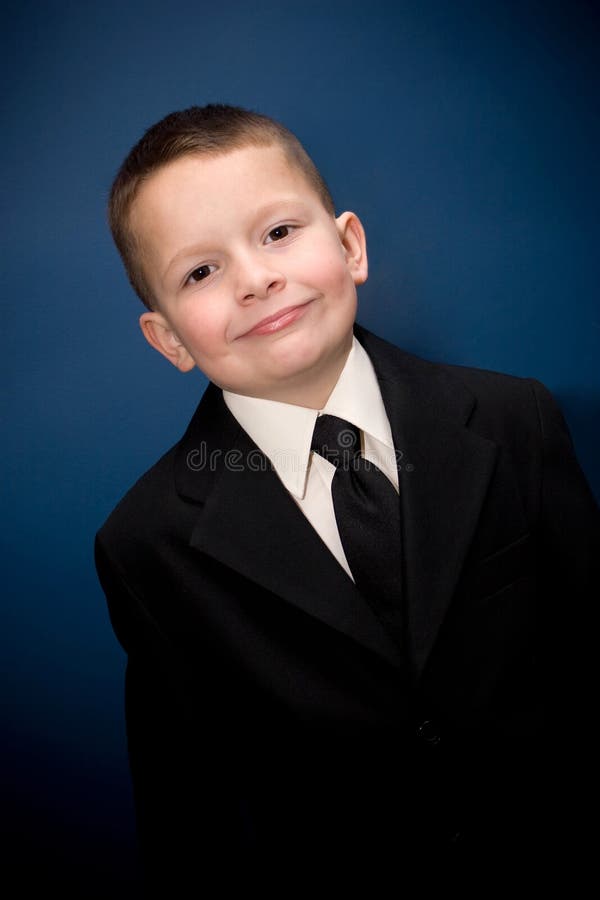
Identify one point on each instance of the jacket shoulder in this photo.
(482, 383)
(143, 502)
(159, 495)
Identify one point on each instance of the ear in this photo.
(354, 242)
(161, 336)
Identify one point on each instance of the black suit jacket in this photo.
(272, 720)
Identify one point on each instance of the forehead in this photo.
(236, 181)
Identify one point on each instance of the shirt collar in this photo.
(284, 432)
(357, 398)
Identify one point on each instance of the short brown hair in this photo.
(209, 130)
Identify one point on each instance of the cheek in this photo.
(339, 282)
(327, 272)
(203, 330)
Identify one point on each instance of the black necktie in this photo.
(367, 511)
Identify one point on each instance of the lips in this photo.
(278, 320)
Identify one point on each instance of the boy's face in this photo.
(255, 281)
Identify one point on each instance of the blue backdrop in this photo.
(464, 134)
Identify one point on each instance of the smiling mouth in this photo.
(278, 320)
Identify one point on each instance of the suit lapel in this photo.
(249, 523)
(444, 473)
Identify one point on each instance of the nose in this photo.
(257, 279)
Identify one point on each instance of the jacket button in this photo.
(428, 732)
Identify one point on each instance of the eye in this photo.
(277, 234)
(200, 273)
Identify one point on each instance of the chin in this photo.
(300, 356)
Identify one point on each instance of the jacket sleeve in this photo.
(569, 537)
(570, 518)
(181, 766)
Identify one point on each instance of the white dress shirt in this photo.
(284, 432)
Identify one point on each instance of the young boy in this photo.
(350, 595)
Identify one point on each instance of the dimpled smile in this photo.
(278, 321)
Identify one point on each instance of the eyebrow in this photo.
(192, 250)
(199, 249)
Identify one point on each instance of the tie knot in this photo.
(335, 440)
